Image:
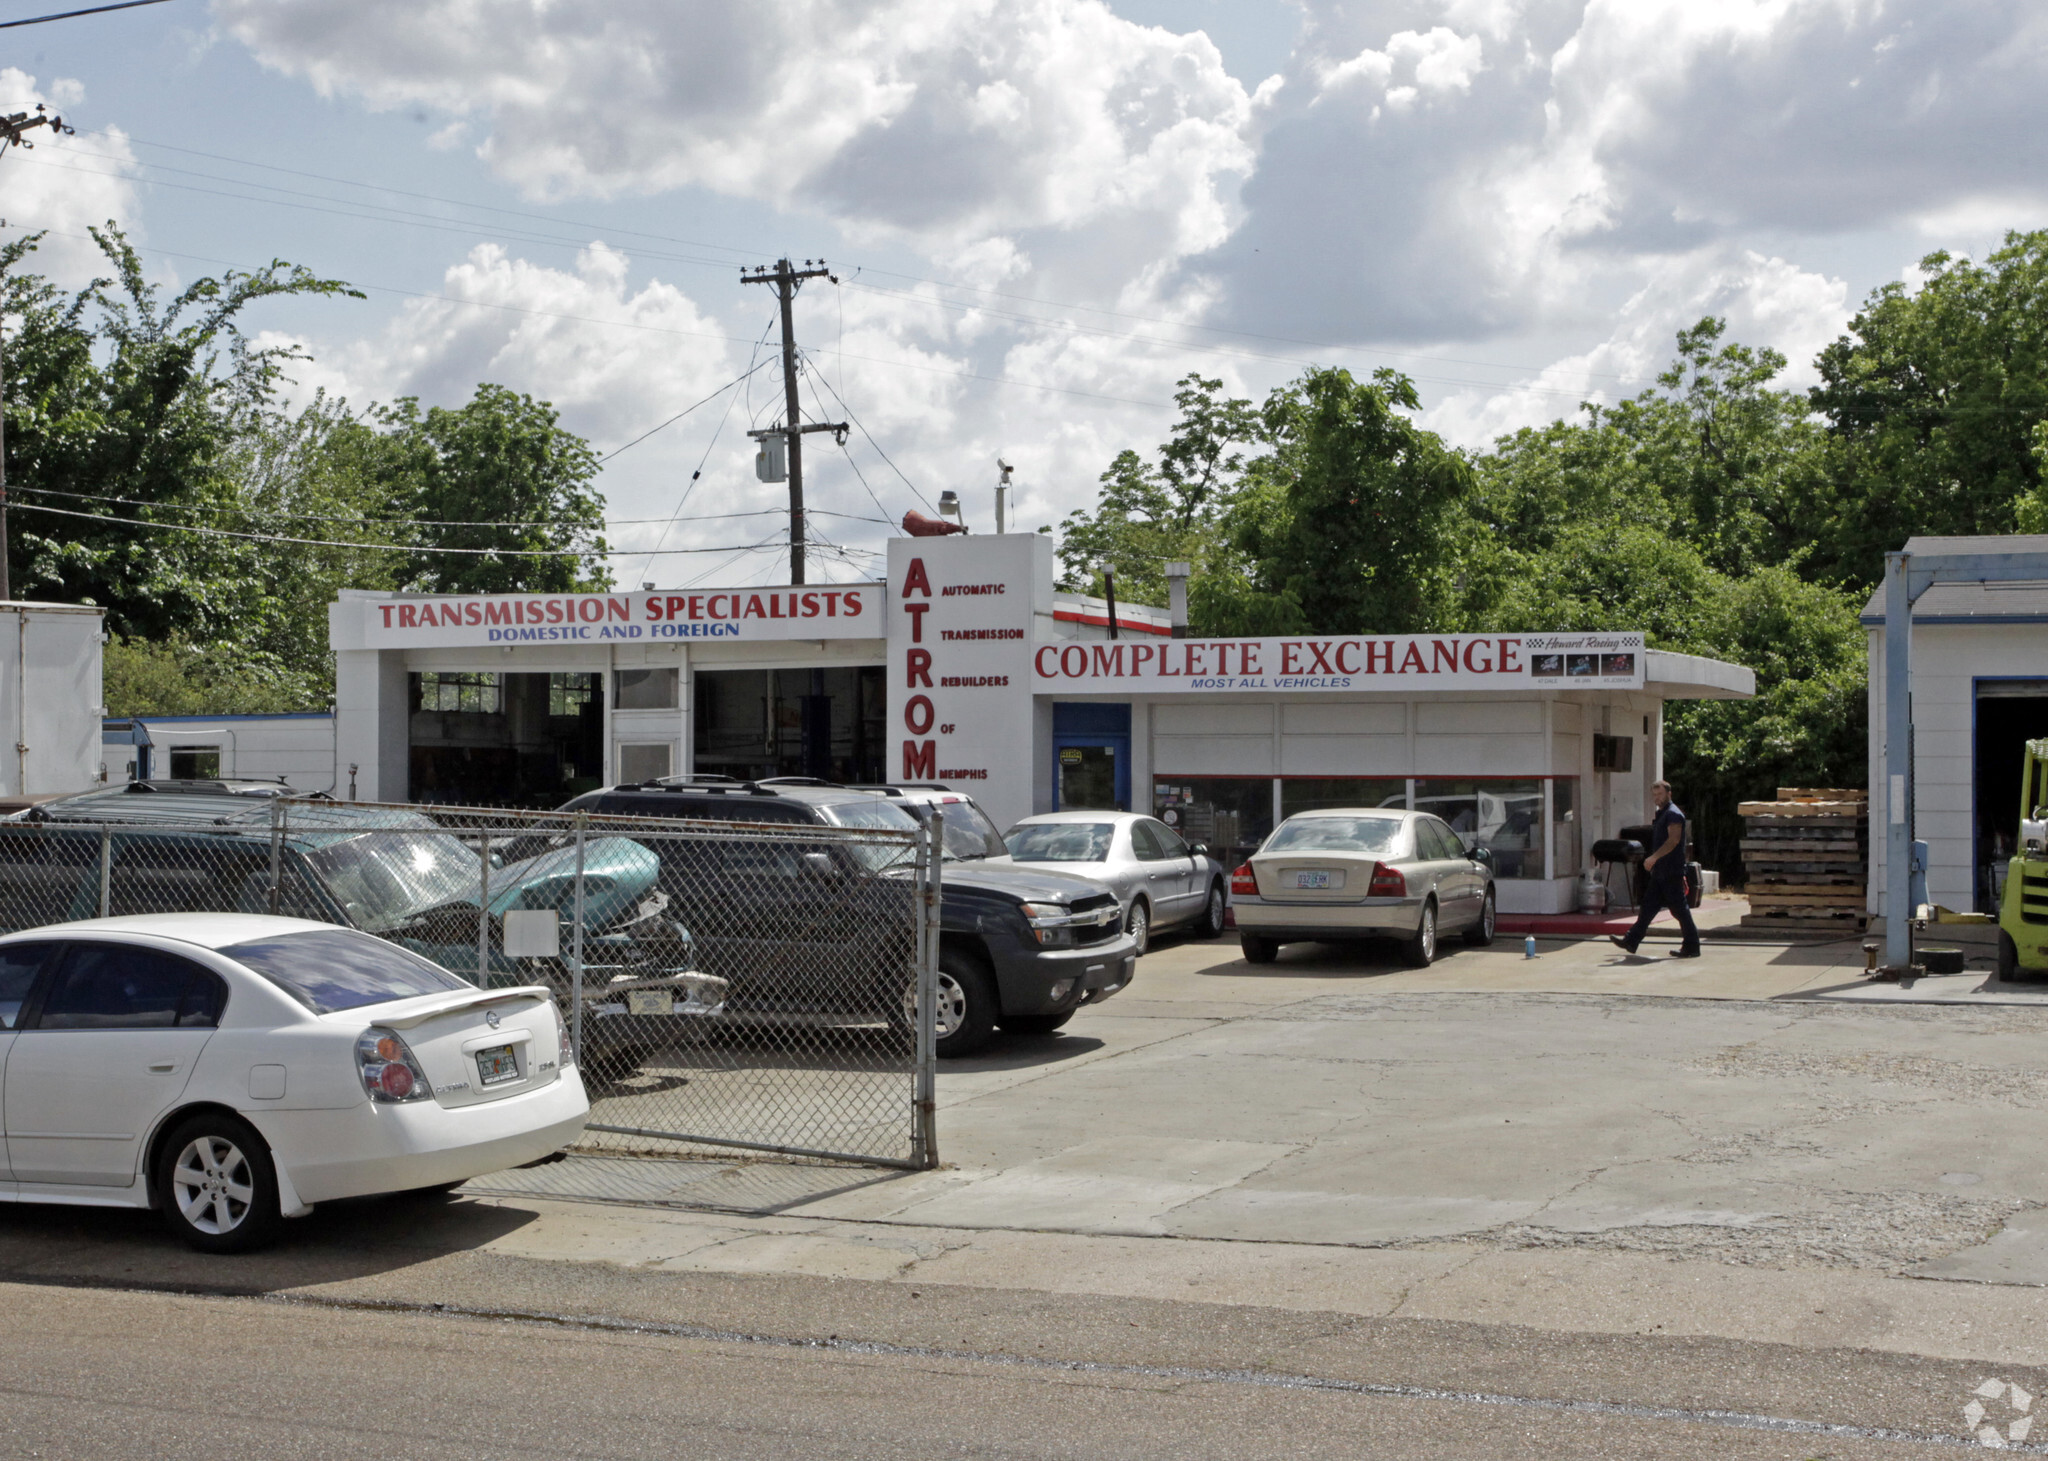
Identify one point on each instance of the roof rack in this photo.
(799, 781)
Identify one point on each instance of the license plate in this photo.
(497, 1065)
(1312, 880)
(650, 1002)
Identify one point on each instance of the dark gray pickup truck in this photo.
(1020, 948)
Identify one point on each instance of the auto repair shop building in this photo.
(967, 666)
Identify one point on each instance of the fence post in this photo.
(576, 947)
(276, 849)
(483, 915)
(106, 872)
(925, 1129)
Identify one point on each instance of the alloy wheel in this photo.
(213, 1184)
(951, 1013)
(1139, 924)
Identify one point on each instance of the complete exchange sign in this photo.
(1383, 663)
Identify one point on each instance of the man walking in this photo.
(1664, 877)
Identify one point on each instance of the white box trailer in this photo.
(50, 698)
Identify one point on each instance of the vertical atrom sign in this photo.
(960, 632)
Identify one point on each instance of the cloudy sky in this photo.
(1041, 212)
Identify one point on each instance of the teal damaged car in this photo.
(390, 872)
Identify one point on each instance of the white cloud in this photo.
(1766, 301)
(1590, 174)
(63, 185)
(942, 121)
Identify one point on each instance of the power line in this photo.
(128, 522)
(873, 443)
(73, 14)
(860, 270)
(399, 522)
(716, 431)
(679, 416)
(649, 329)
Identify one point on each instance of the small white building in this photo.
(1979, 693)
(296, 749)
(966, 666)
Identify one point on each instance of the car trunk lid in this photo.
(481, 1047)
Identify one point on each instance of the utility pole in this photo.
(12, 128)
(787, 279)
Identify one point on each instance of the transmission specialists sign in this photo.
(841, 611)
(1376, 662)
(961, 614)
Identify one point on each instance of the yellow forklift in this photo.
(2023, 909)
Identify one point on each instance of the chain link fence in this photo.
(747, 987)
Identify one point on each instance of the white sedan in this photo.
(232, 1070)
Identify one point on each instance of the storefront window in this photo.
(646, 689)
(1233, 814)
(1569, 855)
(1503, 816)
(793, 722)
(1314, 793)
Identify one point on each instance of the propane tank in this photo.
(1592, 893)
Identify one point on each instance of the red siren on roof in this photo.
(918, 525)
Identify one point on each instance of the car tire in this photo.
(1138, 924)
(1258, 950)
(2008, 958)
(1211, 924)
(216, 1185)
(1418, 950)
(1035, 1024)
(967, 1005)
(1480, 934)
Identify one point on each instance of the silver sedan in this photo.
(1161, 881)
(1363, 872)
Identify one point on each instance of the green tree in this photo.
(1148, 514)
(501, 475)
(181, 678)
(115, 393)
(1931, 400)
(1350, 516)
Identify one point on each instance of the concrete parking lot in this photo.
(1737, 1183)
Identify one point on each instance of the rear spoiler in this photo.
(428, 1007)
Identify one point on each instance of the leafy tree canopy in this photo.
(124, 407)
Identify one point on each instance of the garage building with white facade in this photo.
(967, 666)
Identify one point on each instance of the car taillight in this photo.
(388, 1069)
(1387, 882)
(568, 1056)
(1242, 881)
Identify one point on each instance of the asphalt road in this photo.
(1574, 1207)
(102, 1373)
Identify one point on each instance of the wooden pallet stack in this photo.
(1807, 855)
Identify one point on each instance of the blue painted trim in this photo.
(1082, 717)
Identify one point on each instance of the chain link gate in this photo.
(745, 987)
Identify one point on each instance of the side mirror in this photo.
(1198, 849)
(1482, 855)
(821, 863)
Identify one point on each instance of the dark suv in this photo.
(1019, 947)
